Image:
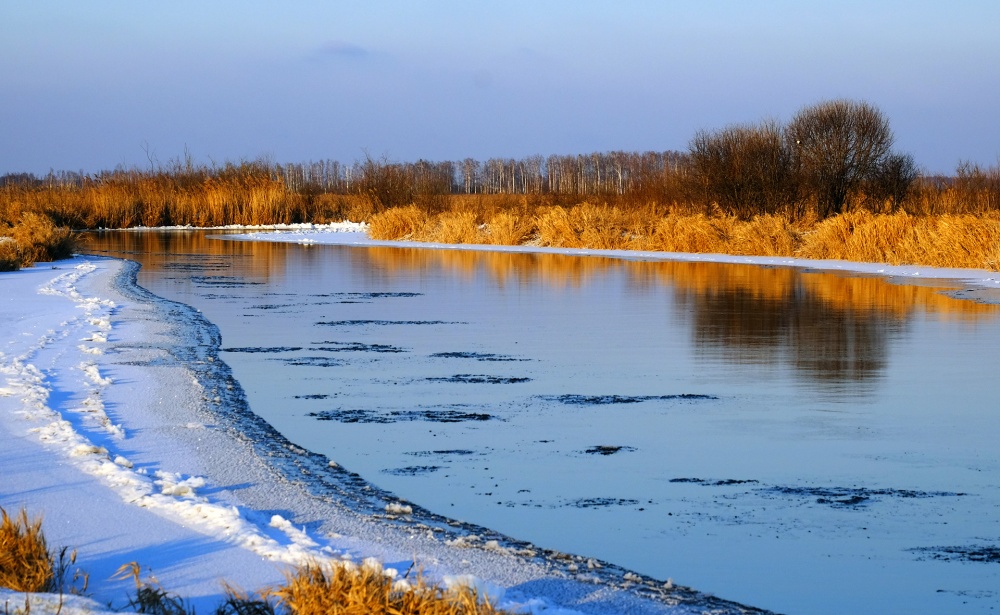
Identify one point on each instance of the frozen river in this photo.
(799, 441)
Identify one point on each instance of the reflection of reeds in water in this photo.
(867, 294)
(844, 292)
(159, 250)
(503, 268)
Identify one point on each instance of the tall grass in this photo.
(26, 565)
(947, 240)
(34, 238)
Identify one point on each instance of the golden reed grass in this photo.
(941, 229)
(25, 562)
(34, 238)
(315, 590)
(946, 240)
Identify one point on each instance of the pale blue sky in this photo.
(91, 85)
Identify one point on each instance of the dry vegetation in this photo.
(26, 565)
(25, 562)
(945, 240)
(827, 185)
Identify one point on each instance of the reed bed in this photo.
(949, 222)
(946, 240)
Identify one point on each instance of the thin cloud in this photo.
(343, 49)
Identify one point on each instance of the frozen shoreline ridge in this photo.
(124, 429)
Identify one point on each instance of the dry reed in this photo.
(451, 227)
(898, 238)
(37, 239)
(397, 223)
(365, 590)
(25, 562)
(10, 259)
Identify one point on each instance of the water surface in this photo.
(799, 441)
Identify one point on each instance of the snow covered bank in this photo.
(123, 428)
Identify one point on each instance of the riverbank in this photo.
(124, 429)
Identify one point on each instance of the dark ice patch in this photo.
(310, 361)
(602, 400)
(600, 502)
(432, 415)
(271, 306)
(411, 470)
(478, 356)
(375, 295)
(480, 379)
(222, 281)
(381, 323)
(313, 396)
(265, 349)
(608, 450)
(725, 482)
(854, 497)
(972, 553)
(195, 266)
(458, 451)
(355, 347)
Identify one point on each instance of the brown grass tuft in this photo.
(397, 223)
(38, 239)
(767, 235)
(10, 260)
(697, 233)
(25, 562)
(900, 239)
(366, 590)
(451, 227)
(508, 229)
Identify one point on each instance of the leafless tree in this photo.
(837, 146)
(746, 169)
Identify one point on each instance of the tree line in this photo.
(831, 157)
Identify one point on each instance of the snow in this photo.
(112, 432)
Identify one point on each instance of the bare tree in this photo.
(892, 180)
(837, 146)
(746, 170)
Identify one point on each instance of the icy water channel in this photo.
(801, 441)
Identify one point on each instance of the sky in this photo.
(95, 85)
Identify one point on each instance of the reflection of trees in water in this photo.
(834, 329)
(829, 344)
